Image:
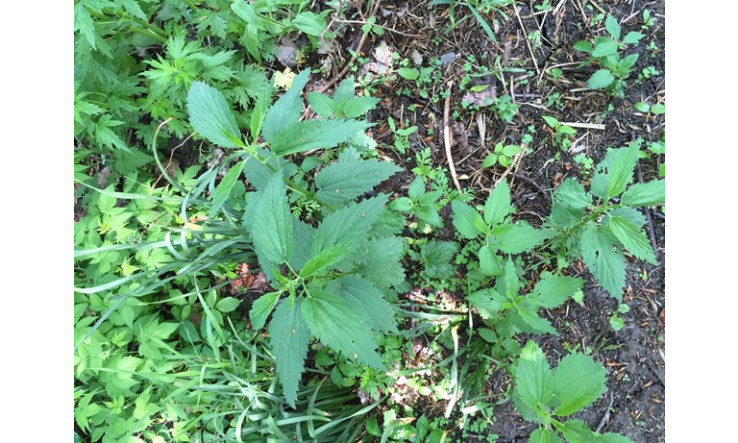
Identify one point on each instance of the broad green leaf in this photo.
(381, 262)
(228, 304)
(359, 106)
(532, 376)
(645, 194)
(601, 79)
(531, 321)
(632, 215)
(584, 46)
(402, 204)
(463, 219)
(335, 323)
(258, 113)
(301, 253)
(621, 172)
(606, 263)
(321, 104)
(347, 179)
(286, 111)
(577, 431)
(223, 191)
(408, 73)
(416, 189)
(633, 239)
(543, 435)
(572, 195)
(520, 237)
(366, 299)
(612, 26)
(486, 301)
(436, 256)
(605, 48)
(271, 222)
(497, 206)
(632, 38)
(562, 217)
(288, 337)
(312, 134)
(489, 262)
(554, 290)
(349, 225)
(576, 383)
(210, 115)
(258, 174)
(326, 259)
(261, 309)
(310, 23)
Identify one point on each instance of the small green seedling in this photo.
(424, 205)
(645, 108)
(606, 53)
(562, 134)
(502, 155)
(402, 141)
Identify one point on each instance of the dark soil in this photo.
(633, 356)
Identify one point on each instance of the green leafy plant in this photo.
(421, 203)
(605, 52)
(501, 155)
(547, 396)
(599, 225)
(402, 135)
(562, 134)
(505, 108)
(477, 7)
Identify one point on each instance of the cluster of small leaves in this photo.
(605, 52)
(545, 396)
(599, 225)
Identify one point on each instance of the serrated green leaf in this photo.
(84, 24)
(576, 383)
(489, 262)
(605, 48)
(288, 337)
(645, 194)
(312, 134)
(228, 304)
(632, 38)
(286, 111)
(381, 264)
(621, 172)
(271, 222)
(321, 104)
(486, 301)
(436, 256)
(261, 309)
(634, 240)
(335, 323)
(349, 225)
(613, 28)
(402, 204)
(532, 376)
(211, 116)
(544, 435)
(463, 219)
(531, 321)
(416, 189)
(601, 79)
(359, 106)
(605, 262)
(132, 7)
(326, 259)
(520, 237)
(554, 290)
(584, 46)
(366, 299)
(571, 194)
(302, 235)
(497, 206)
(577, 431)
(562, 217)
(223, 191)
(489, 161)
(345, 180)
(310, 23)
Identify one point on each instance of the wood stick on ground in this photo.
(447, 135)
(585, 125)
(510, 168)
(532, 182)
(607, 414)
(527, 42)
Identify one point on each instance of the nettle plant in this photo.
(546, 396)
(606, 52)
(330, 273)
(600, 225)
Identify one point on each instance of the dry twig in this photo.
(447, 135)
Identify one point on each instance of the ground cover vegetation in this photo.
(369, 221)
